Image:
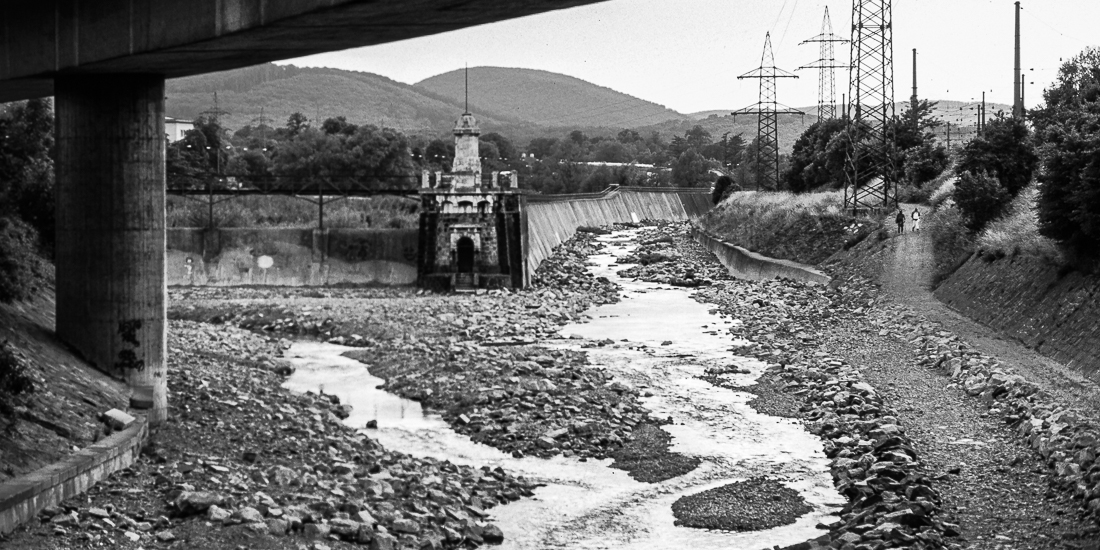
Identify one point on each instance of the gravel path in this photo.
(995, 486)
(906, 281)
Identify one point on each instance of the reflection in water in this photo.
(663, 339)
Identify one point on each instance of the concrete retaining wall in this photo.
(1048, 310)
(552, 220)
(744, 264)
(299, 257)
(22, 498)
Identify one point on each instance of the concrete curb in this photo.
(22, 498)
(751, 266)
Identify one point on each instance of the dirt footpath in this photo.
(995, 486)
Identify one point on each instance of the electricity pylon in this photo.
(825, 65)
(871, 177)
(767, 111)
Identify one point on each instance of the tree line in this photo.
(340, 154)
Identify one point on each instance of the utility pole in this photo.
(871, 108)
(1017, 82)
(767, 111)
(826, 63)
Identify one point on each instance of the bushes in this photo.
(1017, 232)
(1004, 151)
(1068, 129)
(980, 199)
(806, 228)
(13, 376)
(951, 243)
(722, 188)
(22, 270)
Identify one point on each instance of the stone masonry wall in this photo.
(1048, 309)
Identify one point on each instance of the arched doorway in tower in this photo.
(464, 249)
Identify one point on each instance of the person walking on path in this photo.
(916, 219)
(900, 219)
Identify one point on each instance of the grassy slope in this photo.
(804, 228)
(548, 99)
(59, 414)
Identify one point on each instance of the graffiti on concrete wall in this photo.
(127, 358)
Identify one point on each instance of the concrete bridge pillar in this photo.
(110, 229)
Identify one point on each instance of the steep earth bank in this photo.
(1051, 309)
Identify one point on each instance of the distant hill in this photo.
(790, 127)
(318, 92)
(548, 99)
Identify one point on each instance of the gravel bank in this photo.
(243, 462)
(935, 444)
(750, 505)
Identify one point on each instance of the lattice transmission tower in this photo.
(871, 177)
(826, 66)
(767, 111)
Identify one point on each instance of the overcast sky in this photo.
(687, 54)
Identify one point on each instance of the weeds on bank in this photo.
(1017, 232)
(807, 227)
(293, 212)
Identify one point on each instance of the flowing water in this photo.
(662, 339)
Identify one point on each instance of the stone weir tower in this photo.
(472, 230)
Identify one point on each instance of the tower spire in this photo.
(467, 111)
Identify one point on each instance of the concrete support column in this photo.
(110, 229)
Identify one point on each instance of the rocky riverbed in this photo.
(245, 462)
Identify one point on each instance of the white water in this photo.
(587, 504)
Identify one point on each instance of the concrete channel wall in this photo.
(1045, 307)
(553, 219)
(744, 264)
(291, 257)
(22, 498)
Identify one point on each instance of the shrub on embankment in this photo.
(806, 228)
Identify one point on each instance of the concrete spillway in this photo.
(552, 220)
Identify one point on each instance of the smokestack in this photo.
(1017, 96)
(914, 99)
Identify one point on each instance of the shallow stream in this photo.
(662, 340)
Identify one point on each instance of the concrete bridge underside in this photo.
(105, 61)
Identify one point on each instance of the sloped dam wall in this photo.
(553, 219)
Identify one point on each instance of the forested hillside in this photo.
(363, 98)
(548, 99)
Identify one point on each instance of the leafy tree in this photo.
(1068, 130)
(814, 164)
(611, 151)
(296, 123)
(505, 149)
(924, 162)
(728, 151)
(628, 136)
(1004, 149)
(338, 125)
(26, 165)
(722, 188)
(915, 127)
(981, 199)
(439, 154)
(691, 170)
